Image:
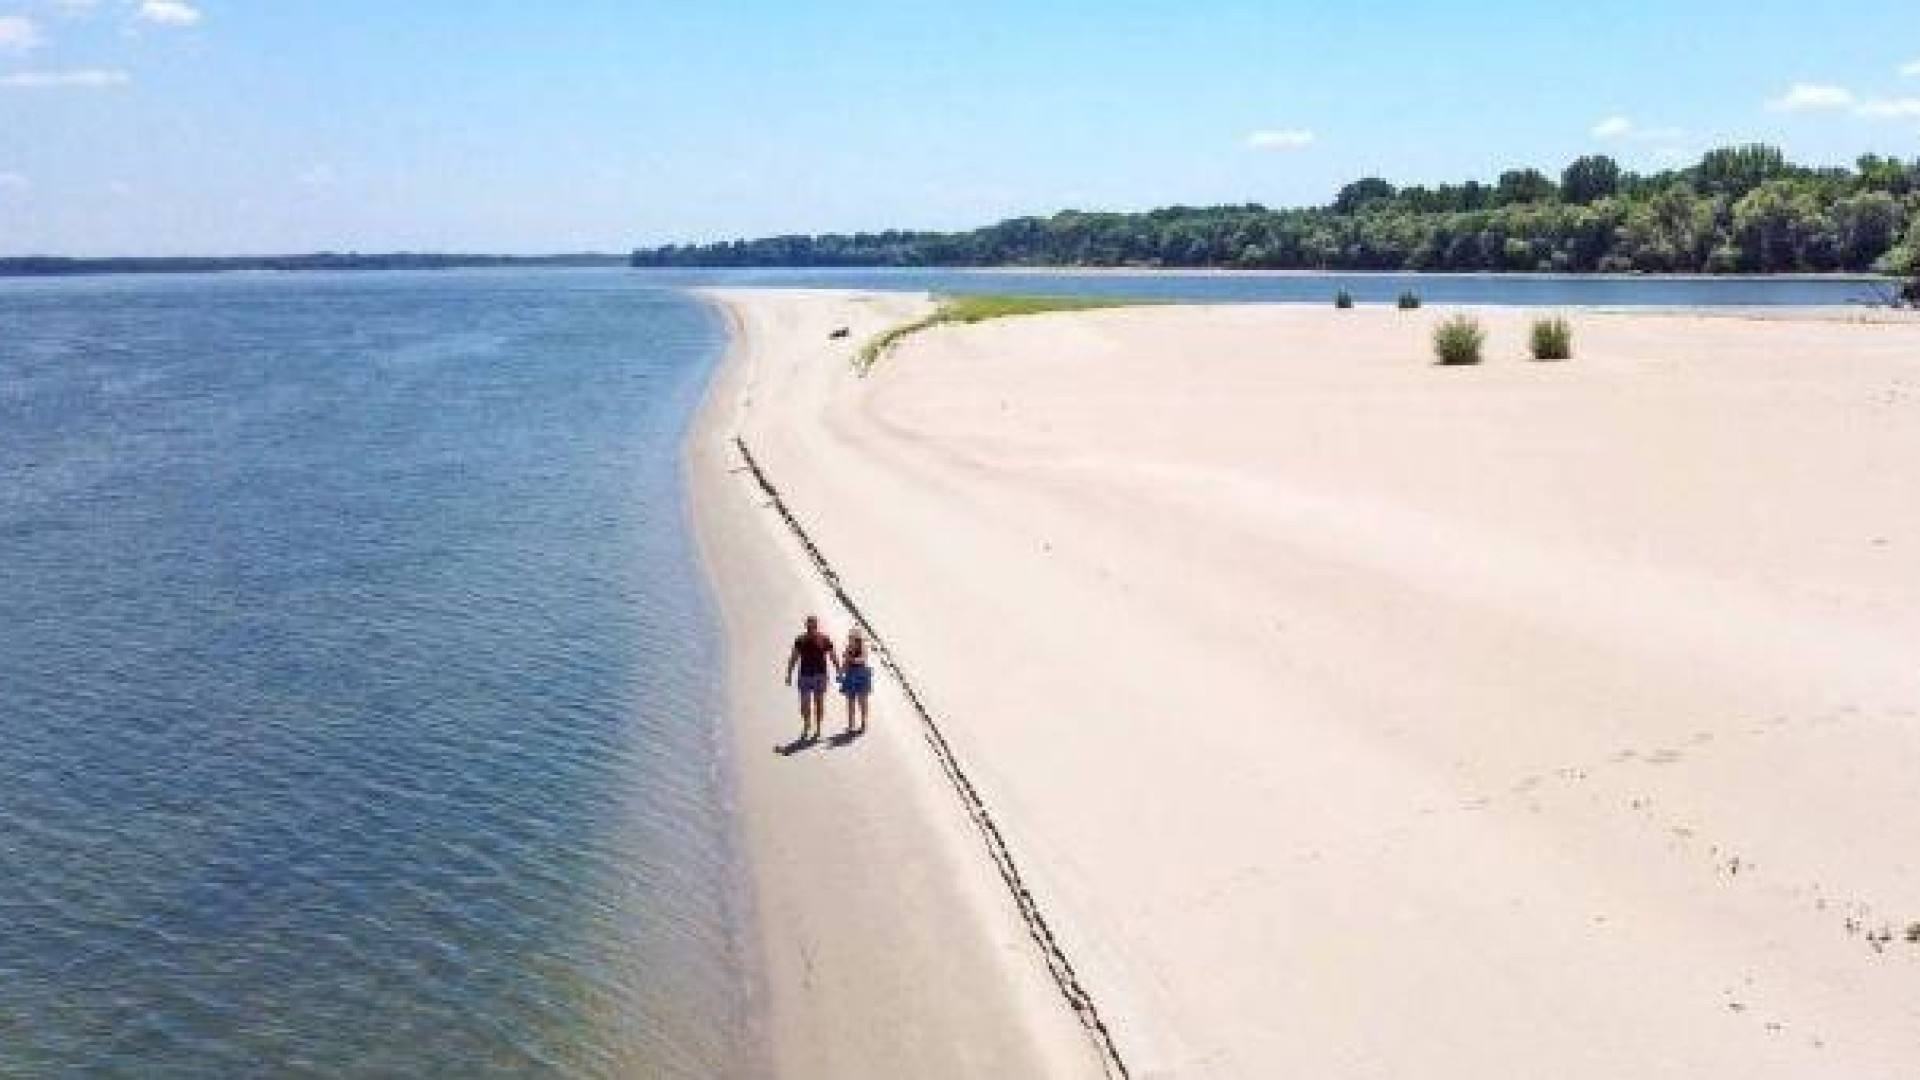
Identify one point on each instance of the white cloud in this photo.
(18, 34)
(1622, 127)
(1283, 139)
(318, 176)
(1802, 96)
(83, 79)
(12, 181)
(1889, 107)
(169, 12)
(1911, 69)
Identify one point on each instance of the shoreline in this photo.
(927, 969)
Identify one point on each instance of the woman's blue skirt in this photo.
(856, 681)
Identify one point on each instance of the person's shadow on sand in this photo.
(797, 745)
(805, 742)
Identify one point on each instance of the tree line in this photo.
(1741, 209)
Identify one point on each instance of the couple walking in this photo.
(813, 652)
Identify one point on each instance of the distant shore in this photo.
(1351, 716)
(80, 266)
(65, 266)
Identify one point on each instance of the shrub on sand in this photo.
(1458, 340)
(1343, 299)
(1552, 339)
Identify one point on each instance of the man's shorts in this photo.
(813, 684)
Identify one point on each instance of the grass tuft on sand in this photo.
(973, 309)
(1458, 340)
(1551, 339)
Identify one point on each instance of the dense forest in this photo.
(58, 266)
(1744, 209)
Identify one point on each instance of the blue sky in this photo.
(171, 126)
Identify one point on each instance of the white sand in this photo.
(890, 949)
(1353, 717)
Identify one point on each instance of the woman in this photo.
(856, 681)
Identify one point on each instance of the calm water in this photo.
(356, 708)
(357, 711)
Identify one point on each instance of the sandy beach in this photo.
(1349, 716)
(889, 947)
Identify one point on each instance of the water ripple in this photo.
(353, 704)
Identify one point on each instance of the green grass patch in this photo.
(973, 309)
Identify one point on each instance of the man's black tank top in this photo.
(813, 653)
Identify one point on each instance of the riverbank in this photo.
(1351, 716)
(890, 948)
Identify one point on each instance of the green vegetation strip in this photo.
(973, 309)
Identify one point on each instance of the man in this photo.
(812, 652)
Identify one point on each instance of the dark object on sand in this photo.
(839, 333)
(1896, 294)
